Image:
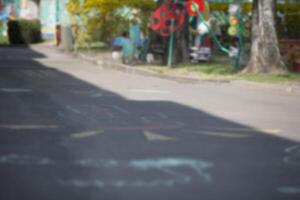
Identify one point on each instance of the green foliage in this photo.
(23, 31)
(292, 26)
(3, 40)
(103, 20)
(287, 27)
(215, 71)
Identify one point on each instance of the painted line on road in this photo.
(97, 95)
(73, 109)
(162, 115)
(151, 136)
(149, 91)
(181, 124)
(221, 134)
(110, 115)
(293, 155)
(60, 114)
(263, 130)
(239, 130)
(292, 148)
(145, 120)
(122, 110)
(289, 190)
(16, 90)
(86, 134)
(28, 127)
(169, 169)
(24, 160)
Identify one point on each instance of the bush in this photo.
(23, 31)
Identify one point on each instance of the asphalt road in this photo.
(72, 130)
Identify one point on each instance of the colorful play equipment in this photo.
(170, 17)
(161, 19)
(193, 6)
(166, 20)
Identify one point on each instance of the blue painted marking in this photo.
(24, 160)
(170, 170)
(73, 109)
(289, 190)
(97, 163)
(168, 166)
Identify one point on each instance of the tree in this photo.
(265, 55)
(103, 19)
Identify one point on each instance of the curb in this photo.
(286, 88)
(135, 70)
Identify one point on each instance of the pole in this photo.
(171, 44)
(240, 37)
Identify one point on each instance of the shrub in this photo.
(23, 31)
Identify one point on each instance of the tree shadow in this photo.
(63, 138)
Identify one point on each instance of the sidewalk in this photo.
(105, 61)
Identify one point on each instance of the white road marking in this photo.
(110, 115)
(28, 127)
(16, 90)
(270, 131)
(122, 110)
(73, 109)
(97, 95)
(157, 137)
(292, 148)
(267, 130)
(149, 91)
(145, 120)
(236, 132)
(220, 129)
(222, 134)
(162, 115)
(60, 114)
(289, 190)
(86, 134)
(182, 124)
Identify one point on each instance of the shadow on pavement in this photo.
(63, 138)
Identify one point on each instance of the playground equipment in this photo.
(169, 18)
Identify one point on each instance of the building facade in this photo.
(49, 12)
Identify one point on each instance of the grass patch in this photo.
(3, 40)
(270, 78)
(97, 47)
(224, 71)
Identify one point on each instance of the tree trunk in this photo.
(181, 44)
(265, 54)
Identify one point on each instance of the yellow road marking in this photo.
(235, 132)
(28, 127)
(224, 134)
(267, 130)
(86, 134)
(157, 137)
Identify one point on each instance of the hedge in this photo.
(23, 31)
